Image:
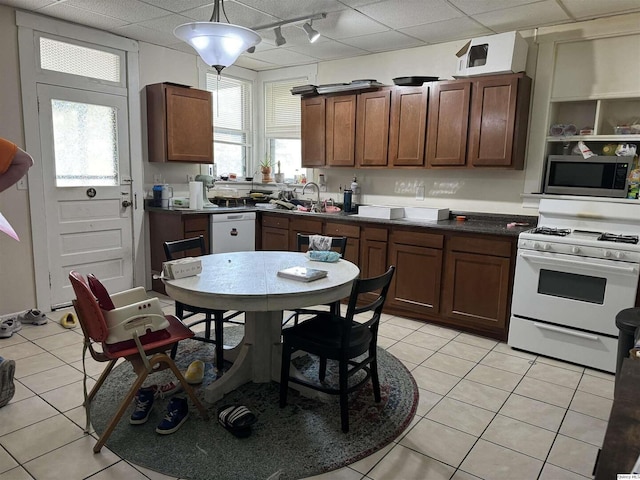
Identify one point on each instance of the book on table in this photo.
(302, 274)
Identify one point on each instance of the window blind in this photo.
(282, 110)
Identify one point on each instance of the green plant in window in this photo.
(266, 162)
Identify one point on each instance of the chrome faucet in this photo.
(317, 206)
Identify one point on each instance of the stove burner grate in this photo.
(557, 232)
(612, 237)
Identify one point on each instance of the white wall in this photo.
(17, 284)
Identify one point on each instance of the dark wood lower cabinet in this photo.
(274, 233)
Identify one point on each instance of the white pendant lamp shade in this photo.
(219, 44)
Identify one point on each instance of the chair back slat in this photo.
(195, 245)
(339, 244)
(89, 314)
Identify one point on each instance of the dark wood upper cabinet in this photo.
(498, 121)
(372, 128)
(448, 123)
(341, 130)
(179, 124)
(312, 127)
(408, 126)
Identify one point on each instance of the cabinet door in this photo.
(493, 121)
(341, 130)
(312, 127)
(407, 130)
(416, 283)
(305, 226)
(189, 125)
(373, 252)
(372, 128)
(476, 290)
(275, 239)
(448, 123)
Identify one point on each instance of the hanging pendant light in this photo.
(218, 44)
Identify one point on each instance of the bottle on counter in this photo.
(355, 195)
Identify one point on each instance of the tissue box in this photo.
(183, 267)
(378, 211)
(502, 53)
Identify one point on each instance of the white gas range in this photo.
(574, 273)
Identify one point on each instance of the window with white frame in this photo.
(232, 129)
(282, 126)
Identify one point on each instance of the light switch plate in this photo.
(22, 184)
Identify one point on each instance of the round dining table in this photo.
(249, 282)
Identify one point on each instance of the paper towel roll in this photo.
(195, 195)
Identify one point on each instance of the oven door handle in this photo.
(552, 328)
(555, 261)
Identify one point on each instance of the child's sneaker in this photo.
(166, 390)
(33, 316)
(9, 326)
(7, 388)
(144, 403)
(177, 413)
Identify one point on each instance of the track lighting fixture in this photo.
(311, 33)
(280, 40)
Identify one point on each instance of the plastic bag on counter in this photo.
(626, 150)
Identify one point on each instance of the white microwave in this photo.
(596, 176)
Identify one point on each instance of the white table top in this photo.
(248, 281)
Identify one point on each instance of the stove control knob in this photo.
(606, 253)
(619, 255)
(575, 249)
(546, 247)
(536, 246)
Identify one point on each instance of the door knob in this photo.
(126, 203)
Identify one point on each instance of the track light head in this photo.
(311, 33)
(280, 40)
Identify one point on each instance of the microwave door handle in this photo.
(553, 328)
(556, 261)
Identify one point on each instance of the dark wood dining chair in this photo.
(338, 244)
(196, 247)
(143, 348)
(343, 339)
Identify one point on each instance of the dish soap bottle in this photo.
(355, 189)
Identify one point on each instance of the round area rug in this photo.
(298, 441)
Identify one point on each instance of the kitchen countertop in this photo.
(487, 223)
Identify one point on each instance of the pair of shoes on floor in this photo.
(195, 373)
(7, 388)
(177, 411)
(237, 419)
(33, 316)
(9, 326)
(166, 389)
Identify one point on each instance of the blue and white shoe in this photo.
(177, 413)
(144, 404)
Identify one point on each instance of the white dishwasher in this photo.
(233, 232)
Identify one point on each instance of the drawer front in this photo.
(194, 223)
(375, 234)
(279, 221)
(419, 239)
(342, 230)
(498, 248)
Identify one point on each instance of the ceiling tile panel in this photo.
(584, 9)
(166, 23)
(148, 35)
(85, 17)
(383, 42)
(247, 61)
(293, 8)
(328, 50)
(407, 13)
(131, 11)
(236, 13)
(347, 23)
(27, 4)
(448, 30)
(284, 57)
(472, 7)
(178, 6)
(525, 16)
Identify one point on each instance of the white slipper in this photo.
(33, 316)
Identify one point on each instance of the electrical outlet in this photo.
(420, 192)
(22, 183)
(190, 178)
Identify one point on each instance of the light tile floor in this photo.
(485, 411)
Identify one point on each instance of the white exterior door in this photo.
(87, 187)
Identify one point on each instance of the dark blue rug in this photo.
(298, 441)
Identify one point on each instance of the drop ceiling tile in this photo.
(547, 12)
(182, 47)
(131, 11)
(147, 35)
(247, 61)
(583, 9)
(284, 57)
(383, 41)
(178, 6)
(358, 3)
(236, 13)
(28, 4)
(293, 9)
(472, 7)
(407, 13)
(347, 23)
(447, 30)
(329, 50)
(166, 23)
(85, 17)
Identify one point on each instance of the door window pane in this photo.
(77, 60)
(85, 144)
